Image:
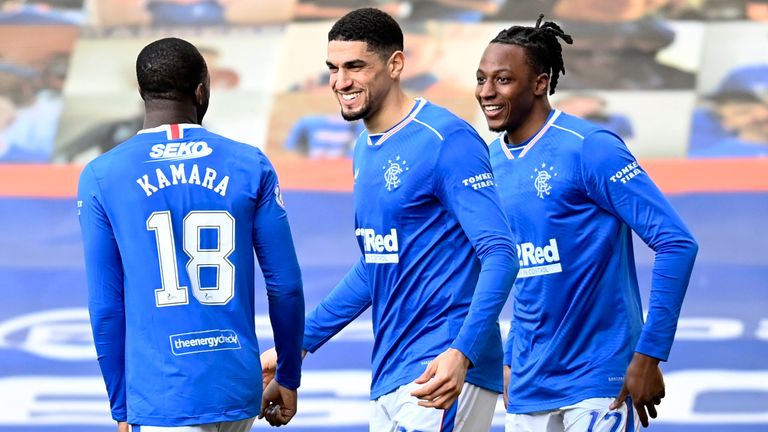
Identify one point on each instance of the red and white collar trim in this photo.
(533, 140)
(172, 131)
(420, 102)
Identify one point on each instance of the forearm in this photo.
(671, 274)
(286, 313)
(498, 273)
(342, 305)
(108, 326)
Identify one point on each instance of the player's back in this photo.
(181, 202)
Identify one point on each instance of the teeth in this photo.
(350, 96)
(492, 108)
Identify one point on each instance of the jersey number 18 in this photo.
(171, 293)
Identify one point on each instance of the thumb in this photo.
(264, 405)
(621, 398)
(429, 372)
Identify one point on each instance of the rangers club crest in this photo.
(392, 173)
(542, 178)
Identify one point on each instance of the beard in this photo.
(361, 113)
(500, 128)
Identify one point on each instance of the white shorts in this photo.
(589, 415)
(233, 426)
(398, 411)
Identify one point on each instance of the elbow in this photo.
(290, 287)
(690, 245)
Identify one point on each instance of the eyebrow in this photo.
(495, 70)
(349, 64)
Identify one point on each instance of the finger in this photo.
(429, 388)
(429, 372)
(287, 414)
(620, 398)
(651, 410)
(439, 394)
(641, 414)
(273, 416)
(441, 402)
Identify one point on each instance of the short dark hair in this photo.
(545, 55)
(170, 68)
(372, 26)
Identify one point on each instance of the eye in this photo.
(481, 80)
(503, 80)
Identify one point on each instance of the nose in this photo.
(485, 90)
(342, 79)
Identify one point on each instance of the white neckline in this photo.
(533, 140)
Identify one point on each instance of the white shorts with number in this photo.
(233, 426)
(398, 411)
(589, 415)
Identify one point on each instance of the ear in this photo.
(541, 86)
(202, 94)
(395, 64)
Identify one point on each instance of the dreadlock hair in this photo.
(544, 53)
(372, 26)
(170, 68)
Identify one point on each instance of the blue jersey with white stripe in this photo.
(170, 221)
(437, 256)
(574, 194)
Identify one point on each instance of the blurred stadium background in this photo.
(685, 82)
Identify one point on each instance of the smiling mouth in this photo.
(350, 96)
(491, 109)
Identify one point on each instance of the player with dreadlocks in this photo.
(578, 352)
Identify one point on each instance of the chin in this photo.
(499, 127)
(355, 115)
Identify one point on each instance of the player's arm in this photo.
(342, 305)
(618, 184)
(350, 298)
(104, 274)
(475, 203)
(615, 181)
(507, 365)
(277, 258)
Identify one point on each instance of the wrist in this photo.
(464, 359)
(646, 359)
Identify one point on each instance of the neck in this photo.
(535, 120)
(160, 112)
(396, 106)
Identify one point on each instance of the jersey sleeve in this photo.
(508, 347)
(617, 183)
(277, 258)
(465, 185)
(104, 274)
(350, 298)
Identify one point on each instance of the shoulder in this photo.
(446, 127)
(583, 134)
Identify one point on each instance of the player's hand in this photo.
(122, 427)
(278, 404)
(507, 376)
(268, 367)
(443, 380)
(644, 383)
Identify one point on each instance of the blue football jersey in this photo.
(170, 221)
(437, 258)
(573, 194)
